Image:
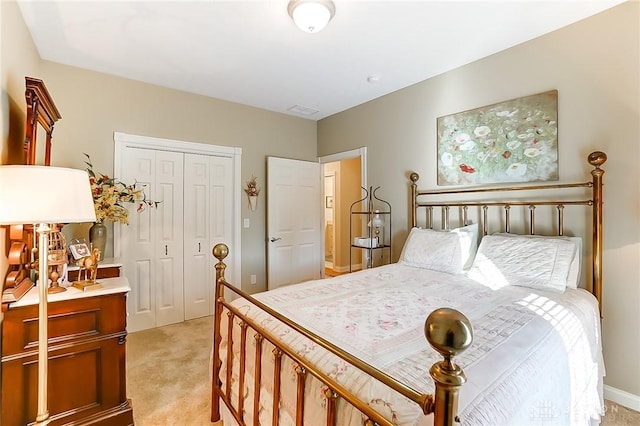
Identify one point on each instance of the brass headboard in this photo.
(422, 199)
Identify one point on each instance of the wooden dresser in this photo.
(87, 374)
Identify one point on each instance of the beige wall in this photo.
(595, 65)
(94, 105)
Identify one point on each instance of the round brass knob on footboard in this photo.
(220, 251)
(448, 332)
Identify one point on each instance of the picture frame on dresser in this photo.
(79, 250)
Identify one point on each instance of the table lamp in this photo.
(42, 195)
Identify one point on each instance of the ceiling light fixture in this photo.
(311, 16)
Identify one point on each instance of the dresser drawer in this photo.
(86, 380)
(69, 321)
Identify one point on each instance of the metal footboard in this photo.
(447, 331)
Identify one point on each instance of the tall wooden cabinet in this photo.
(87, 357)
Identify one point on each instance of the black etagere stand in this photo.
(376, 241)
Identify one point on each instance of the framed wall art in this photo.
(511, 141)
(328, 201)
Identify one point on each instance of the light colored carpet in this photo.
(168, 377)
(168, 374)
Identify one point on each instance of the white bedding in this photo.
(535, 358)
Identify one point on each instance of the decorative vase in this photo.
(253, 202)
(98, 237)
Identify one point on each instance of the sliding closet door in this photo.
(151, 246)
(208, 220)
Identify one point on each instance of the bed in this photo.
(513, 340)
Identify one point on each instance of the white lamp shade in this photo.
(311, 16)
(42, 194)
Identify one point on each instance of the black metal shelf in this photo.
(366, 206)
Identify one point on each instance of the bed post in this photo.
(414, 198)
(449, 332)
(220, 251)
(597, 159)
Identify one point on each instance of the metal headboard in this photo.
(421, 199)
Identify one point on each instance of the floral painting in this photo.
(512, 141)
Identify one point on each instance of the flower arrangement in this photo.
(109, 194)
(252, 187)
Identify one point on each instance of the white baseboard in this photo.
(343, 269)
(621, 397)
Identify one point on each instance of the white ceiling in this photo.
(253, 54)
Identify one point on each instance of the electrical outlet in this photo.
(246, 223)
(253, 279)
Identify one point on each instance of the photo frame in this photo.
(79, 250)
(328, 202)
(511, 141)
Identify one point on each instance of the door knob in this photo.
(274, 239)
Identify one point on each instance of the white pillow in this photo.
(539, 263)
(444, 251)
(573, 280)
(469, 243)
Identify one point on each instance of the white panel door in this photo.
(294, 223)
(151, 245)
(169, 238)
(196, 236)
(208, 207)
(137, 239)
(221, 220)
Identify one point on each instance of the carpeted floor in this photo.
(168, 377)
(168, 374)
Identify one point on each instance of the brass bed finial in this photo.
(597, 159)
(220, 251)
(449, 332)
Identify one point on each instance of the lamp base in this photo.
(55, 288)
(87, 285)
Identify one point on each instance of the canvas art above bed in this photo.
(511, 141)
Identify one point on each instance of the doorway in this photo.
(329, 194)
(343, 175)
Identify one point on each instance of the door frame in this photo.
(340, 156)
(348, 155)
(124, 140)
(332, 175)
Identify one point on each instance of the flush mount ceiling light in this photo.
(311, 16)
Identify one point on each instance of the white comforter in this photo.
(535, 358)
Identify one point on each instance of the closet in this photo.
(166, 251)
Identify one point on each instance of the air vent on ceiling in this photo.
(299, 109)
